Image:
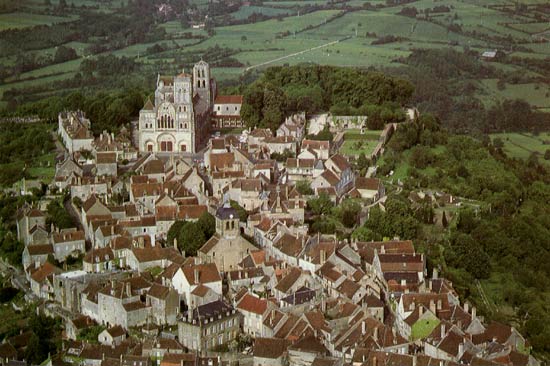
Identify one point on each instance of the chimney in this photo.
(432, 306)
(323, 305)
(443, 330)
(176, 243)
(375, 334)
(112, 230)
(322, 256)
(128, 289)
(439, 304)
(382, 249)
(474, 310)
(466, 307)
(420, 310)
(430, 285)
(363, 327)
(196, 273)
(36, 265)
(374, 361)
(460, 349)
(435, 274)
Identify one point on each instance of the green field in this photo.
(246, 11)
(538, 95)
(522, 145)
(356, 143)
(22, 20)
(321, 37)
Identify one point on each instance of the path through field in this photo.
(292, 55)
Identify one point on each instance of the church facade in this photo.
(179, 119)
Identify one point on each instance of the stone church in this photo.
(179, 120)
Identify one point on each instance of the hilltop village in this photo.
(261, 289)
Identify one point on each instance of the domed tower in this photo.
(201, 80)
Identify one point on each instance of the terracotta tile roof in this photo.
(348, 288)
(330, 177)
(340, 161)
(221, 161)
(290, 244)
(68, 236)
(148, 105)
(207, 273)
(315, 144)
(40, 249)
(158, 291)
(271, 348)
(401, 262)
(300, 163)
(200, 290)
(106, 158)
(310, 344)
(99, 255)
(372, 184)
(252, 304)
(134, 306)
(116, 331)
(286, 283)
(46, 270)
(228, 99)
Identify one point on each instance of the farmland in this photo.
(350, 33)
(522, 145)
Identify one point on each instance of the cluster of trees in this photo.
(190, 236)
(378, 115)
(284, 90)
(398, 220)
(108, 111)
(20, 144)
(58, 216)
(327, 217)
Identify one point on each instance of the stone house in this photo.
(320, 148)
(99, 260)
(73, 327)
(33, 254)
(106, 164)
(41, 280)
(227, 111)
(113, 336)
(210, 325)
(253, 310)
(74, 129)
(165, 304)
(68, 242)
(27, 219)
(188, 277)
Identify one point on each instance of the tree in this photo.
(243, 215)
(304, 187)
(207, 223)
(243, 39)
(320, 205)
(547, 154)
(498, 143)
(64, 54)
(444, 222)
(189, 236)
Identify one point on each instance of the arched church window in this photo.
(185, 126)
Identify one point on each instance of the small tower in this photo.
(227, 221)
(201, 80)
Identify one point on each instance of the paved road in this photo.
(291, 55)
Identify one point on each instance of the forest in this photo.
(281, 91)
